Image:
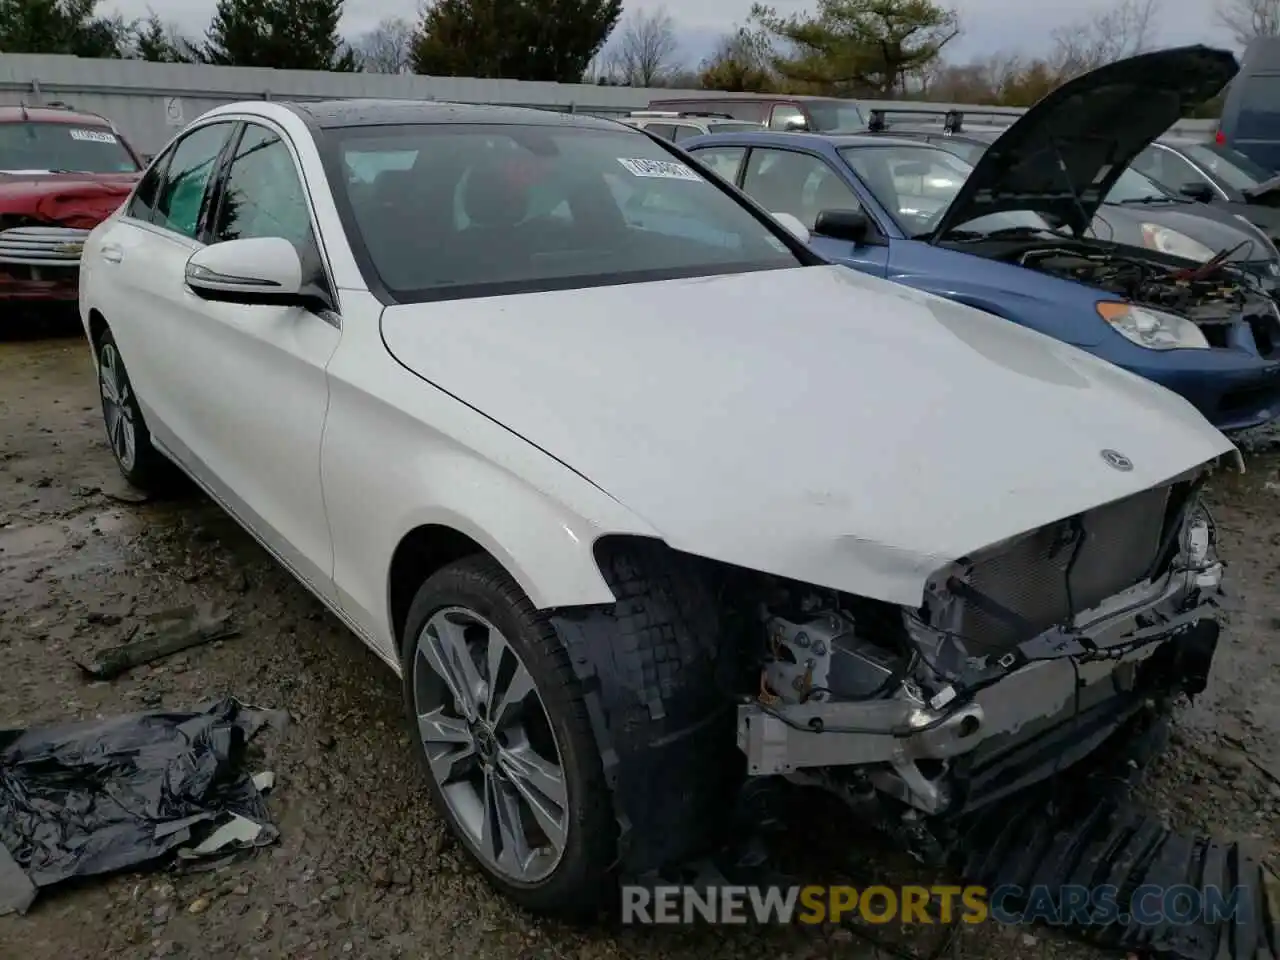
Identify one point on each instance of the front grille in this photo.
(1029, 576)
(42, 246)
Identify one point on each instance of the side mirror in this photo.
(793, 226)
(259, 270)
(1197, 191)
(851, 225)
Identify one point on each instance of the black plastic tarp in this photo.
(86, 798)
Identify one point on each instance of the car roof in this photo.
(21, 114)
(783, 138)
(328, 114)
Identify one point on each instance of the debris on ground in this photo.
(165, 633)
(94, 797)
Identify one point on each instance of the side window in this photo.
(143, 204)
(182, 191)
(796, 183)
(683, 131)
(1167, 168)
(665, 130)
(723, 160)
(786, 116)
(263, 196)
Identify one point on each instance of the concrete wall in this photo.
(150, 102)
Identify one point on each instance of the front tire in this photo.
(504, 737)
(127, 436)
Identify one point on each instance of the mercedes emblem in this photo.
(1116, 459)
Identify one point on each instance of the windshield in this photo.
(1132, 187)
(828, 116)
(453, 210)
(916, 185)
(729, 126)
(1230, 166)
(62, 148)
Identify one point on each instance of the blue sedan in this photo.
(1010, 235)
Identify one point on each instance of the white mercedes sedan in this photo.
(641, 498)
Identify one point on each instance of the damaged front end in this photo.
(44, 223)
(1022, 661)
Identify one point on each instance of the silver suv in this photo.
(674, 125)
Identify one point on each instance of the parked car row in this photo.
(645, 495)
(1046, 223)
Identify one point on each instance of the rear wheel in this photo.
(505, 740)
(127, 435)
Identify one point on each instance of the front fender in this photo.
(399, 454)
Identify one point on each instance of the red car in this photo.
(61, 173)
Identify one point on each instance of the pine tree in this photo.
(156, 41)
(60, 26)
(287, 34)
(516, 39)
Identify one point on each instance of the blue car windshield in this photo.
(916, 184)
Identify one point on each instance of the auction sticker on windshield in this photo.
(97, 136)
(659, 169)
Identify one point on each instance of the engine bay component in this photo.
(823, 657)
(1213, 293)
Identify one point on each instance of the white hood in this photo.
(812, 423)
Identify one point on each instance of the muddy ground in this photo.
(363, 868)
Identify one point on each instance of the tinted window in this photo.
(263, 196)
(966, 150)
(1259, 116)
(786, 116)
(796, 183)
(73, 148)
(684, 132)
(182, 193)
(508, 209)
(665, 130)
(143, 203)
(723, 160)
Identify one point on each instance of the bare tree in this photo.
(646, 48)
(1247, 19)
(1125, 29)
(386, 48)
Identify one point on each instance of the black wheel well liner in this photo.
(97, 327)
(420, 553)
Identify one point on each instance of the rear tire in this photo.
(127, 436)
(492, 765)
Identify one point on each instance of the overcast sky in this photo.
(989, 25)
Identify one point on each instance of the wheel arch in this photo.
(96, 328)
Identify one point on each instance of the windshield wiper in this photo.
(1150, 200)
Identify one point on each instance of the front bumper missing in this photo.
(1040, 718)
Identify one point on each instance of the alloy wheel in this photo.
(489, 745)
(117, 407)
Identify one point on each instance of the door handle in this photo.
(111, 253)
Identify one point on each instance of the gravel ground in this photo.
(364, 867)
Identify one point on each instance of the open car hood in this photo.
(1065, 153)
